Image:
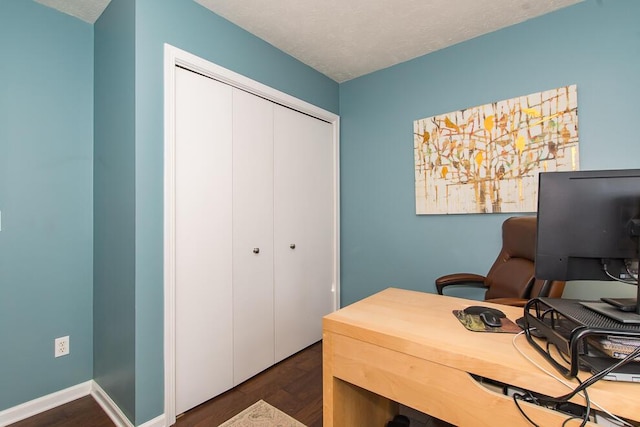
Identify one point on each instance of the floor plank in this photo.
(294, 386)
(83, 412)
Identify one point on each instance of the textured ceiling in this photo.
(344, 39)
(87, 10)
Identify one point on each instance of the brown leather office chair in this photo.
(511, 277)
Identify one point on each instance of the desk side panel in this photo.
(345, 405)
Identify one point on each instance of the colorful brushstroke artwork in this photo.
(486, 159)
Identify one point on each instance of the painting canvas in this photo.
(486, 159)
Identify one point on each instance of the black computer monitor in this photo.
(588, 226)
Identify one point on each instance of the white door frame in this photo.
(176, 57)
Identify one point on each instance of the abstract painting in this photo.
(486, 159)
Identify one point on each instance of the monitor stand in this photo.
(608, 310)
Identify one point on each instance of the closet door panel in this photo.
(203, 322)
(253, 343)
(304, 219)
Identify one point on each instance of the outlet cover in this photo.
(61, 346)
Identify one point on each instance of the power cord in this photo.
(617, 279)
(580, 390)
(597, 377)
(549, 403)
(528, 397)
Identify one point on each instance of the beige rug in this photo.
(261, 414)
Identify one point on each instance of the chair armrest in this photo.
(467, 279)
(515, 302)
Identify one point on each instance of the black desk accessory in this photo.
(567, 324)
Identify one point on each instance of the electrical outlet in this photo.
(61, 346)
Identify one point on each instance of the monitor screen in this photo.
(588, 226)
(584, 224)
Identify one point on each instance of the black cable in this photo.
(585, 416)
(562, 356)
(529, 397)
(564, 424)
(582, 387)
(597, 377)
(532, 399)
(520, 396)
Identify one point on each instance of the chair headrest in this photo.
(519, 237)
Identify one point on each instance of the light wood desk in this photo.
(407, 347)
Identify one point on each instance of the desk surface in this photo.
(422, 325)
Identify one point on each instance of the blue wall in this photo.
(114, 205)
(46, 137)
(49, 173)
(46, 193)
(595, 44)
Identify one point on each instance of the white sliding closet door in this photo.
(303, 229)
(203, 218)
(253, 343)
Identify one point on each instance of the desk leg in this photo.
(347, 405)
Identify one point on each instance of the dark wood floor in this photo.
(82, 412)
(294, 386)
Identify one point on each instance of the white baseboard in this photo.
(114, 412)
(159, 421)
(109, 406)
(50, 401)
(44, 403)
